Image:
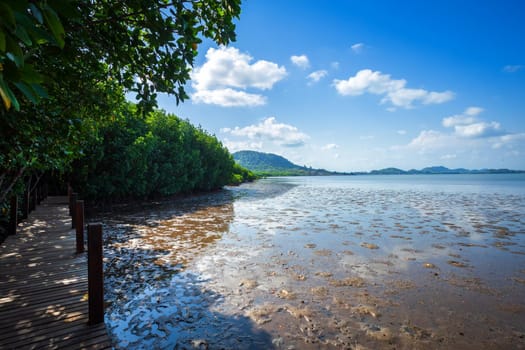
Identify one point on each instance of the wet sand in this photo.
(285, 266)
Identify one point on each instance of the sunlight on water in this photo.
(335, 262)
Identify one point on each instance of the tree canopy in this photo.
(159, 155)
(66, 64)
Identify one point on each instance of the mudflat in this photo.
(308, 263)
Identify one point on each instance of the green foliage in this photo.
(159, 155)
(147, 45)
(241, 175)
(65, 64)
(268, 164)
(24, 27)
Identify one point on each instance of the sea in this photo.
(335, 262)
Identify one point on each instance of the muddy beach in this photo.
(317, 263)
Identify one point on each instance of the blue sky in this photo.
(361, 85)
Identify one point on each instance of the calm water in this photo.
(323, 262)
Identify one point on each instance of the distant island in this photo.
(268, 164)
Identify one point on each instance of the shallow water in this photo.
(335, 262)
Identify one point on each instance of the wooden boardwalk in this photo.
(43, 285)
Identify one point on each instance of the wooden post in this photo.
(39, 193)
(13, 217)
(33, 200)
(46, 190)
(79, 211)
(25, 207)
(95, 274)
(73, 205)
(69, 193)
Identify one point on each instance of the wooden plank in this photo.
(43, 285)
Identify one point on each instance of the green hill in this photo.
(268, 164)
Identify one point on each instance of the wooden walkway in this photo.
(43, 285)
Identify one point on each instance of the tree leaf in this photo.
(14, 52)
(7, 95)
(27, 91)
(53, 23)
(21, 33)
(29, 75)
(36, 13)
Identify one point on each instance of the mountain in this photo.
(269, 164)
(441, 170)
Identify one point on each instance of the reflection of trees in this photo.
(146, 245)
(145, 250)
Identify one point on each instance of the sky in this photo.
(363, 85)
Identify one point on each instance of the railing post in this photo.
(79, 211)
(95, 274)
(25, 207)
(73, 205)
(69, 193)
(13, 215)
(39, 193)
(32, 197)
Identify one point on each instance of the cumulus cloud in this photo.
(358, 48)
(234, 146)
(270, 130)
(300, 61)
(473, 111)
(227, 72)
(394, 91)
(314, 77)
(467, 125)
(508, 139)
(480, 129)
(512, 68)
(228, 98)
(427, 139)
(463, 133)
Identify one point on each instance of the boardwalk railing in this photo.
(95, 257)
(43, 285)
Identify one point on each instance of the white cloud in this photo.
(458, 119)
(227, 71)
(358, 48)
(467, 125)
(300, 61)
(394, 90)
(314, 77)
(269, 130)
(508, 140)
(234, 146)
(427, 139)
(512, 68)
(467, 117)
(473, 111)
(330, 146)
(228, 98)
(480, 129)
(402, 132)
